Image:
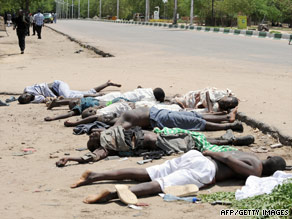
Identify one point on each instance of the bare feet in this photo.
(236, 126)
(104, 196)
(84, 180)
(232, 114)
(68, 124)
(48, 119)
(110, 83)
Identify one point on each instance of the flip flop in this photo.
(125, 195)
(182, 190)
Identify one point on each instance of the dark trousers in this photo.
(39, 31)
(21, 40)
(33, 28)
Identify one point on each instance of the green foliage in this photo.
(280, 198)
(225, 11)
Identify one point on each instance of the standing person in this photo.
(20, 24)
(39, 22)
(55, 18)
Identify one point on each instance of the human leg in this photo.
(137, 174)
(107, 84)
(141, 189)
(21, 41)
(230, 117)
(235, 126)
(57, 103)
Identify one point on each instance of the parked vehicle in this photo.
(48, 18)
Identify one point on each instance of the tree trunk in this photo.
(175, 12)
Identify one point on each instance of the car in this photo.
(48, 18)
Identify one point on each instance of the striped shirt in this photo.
(39, 19)
(200, 139)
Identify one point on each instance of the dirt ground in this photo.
(31, 185)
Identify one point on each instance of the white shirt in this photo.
(139, 94)
(40, 92)
(197, 99)
(149, 104)
(133, 96)
(39, 19)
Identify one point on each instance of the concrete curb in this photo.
(267, 129)
(254, 33)
(87, 46)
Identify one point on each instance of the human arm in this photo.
(245, 166)
(209, 102)
(89, 119)
(95, 156)
(93, 95)
(63, 116)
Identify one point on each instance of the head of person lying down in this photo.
(88, 112)
(226, 103)
(272, 164)
(73, 103)
(25, 98)
(159, 94)
(94, 141)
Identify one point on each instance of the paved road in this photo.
(257, 70)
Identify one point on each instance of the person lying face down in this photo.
(207, 100)
(118, 141)
(192, 167)
(39, 93)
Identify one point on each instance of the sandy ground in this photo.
(31, 185)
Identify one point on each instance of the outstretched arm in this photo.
(97, 155)
(63, 116)
(89, 119)
(244, 167)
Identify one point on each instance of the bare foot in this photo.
(110, 83)
(68, 124)
(48, 119)
(103, 196)
(232, 114)
(237, 126)
(52, 104)
(84, 180)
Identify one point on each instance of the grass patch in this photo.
(280, 198)
(276, 32)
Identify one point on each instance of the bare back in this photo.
(236, 164)
(135, 117)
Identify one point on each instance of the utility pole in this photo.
(67, 9)
(118, 8)
(100, 9)
(175, 12)
(147, 10)
(78, 9)
(72, 16)
(88, 9)
(192, 13)
(212, 13)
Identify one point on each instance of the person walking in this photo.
(21, 24)
(39, 23)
